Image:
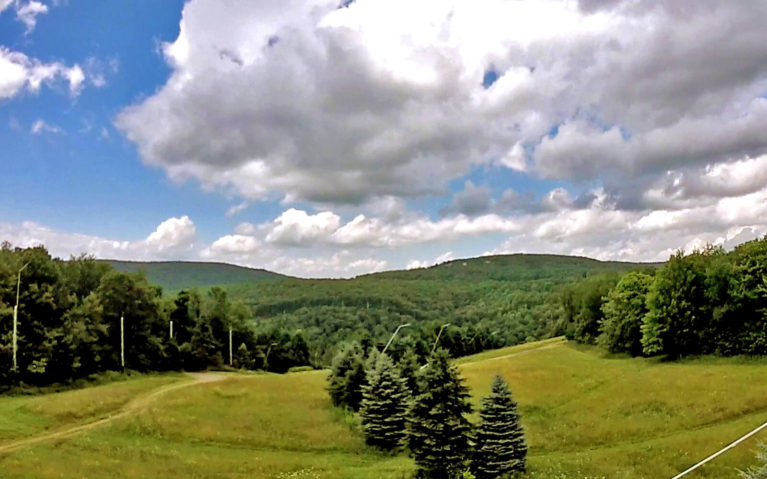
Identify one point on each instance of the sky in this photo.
(329, 138)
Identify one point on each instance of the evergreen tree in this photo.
(384, 405)
(501, 447)
(347, 376)
(438, 431)
(408, 371)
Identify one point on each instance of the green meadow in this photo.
(586, 415)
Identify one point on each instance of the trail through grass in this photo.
(585, 416)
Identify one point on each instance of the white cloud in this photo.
(40, 126)
(76, 78)
(27, 13)
(234, 210)
(233, 244)
(340, 106)
(18, 71)
(443, 258)
(173, 235)
(174, 238)
(295, 227)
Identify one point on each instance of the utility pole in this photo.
(434, 348)
(230, 346)
(16, 320)
(392, 336)
(122, 341)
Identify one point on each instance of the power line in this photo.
(718, 453)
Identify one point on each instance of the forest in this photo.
(69, 312)
(482, 303)
(69, 315)
(707, 302)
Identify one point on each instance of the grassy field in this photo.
(586, 416)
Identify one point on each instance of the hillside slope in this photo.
(585, 416)
(513, 267)
(175, 275)
(489, 302)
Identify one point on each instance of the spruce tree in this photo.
(384, 405)
(501, 447)
(438, 431)
(347, 376)
(408, 370)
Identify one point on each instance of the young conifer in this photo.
(438, 431)
(408, 370)
(384, 405)
(501, 447)
(347, 377)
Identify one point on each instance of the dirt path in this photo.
(132, 407)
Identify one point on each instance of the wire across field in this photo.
(585, 415)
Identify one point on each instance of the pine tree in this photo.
(408, 370)
(438, 432)
(384, 405)
(501, 447)
(347, 376)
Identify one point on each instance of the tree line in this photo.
(706, 302)
(422, 409)
(69, 323)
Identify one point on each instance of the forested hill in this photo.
(176, 275)
(489, 302)
(514, 267)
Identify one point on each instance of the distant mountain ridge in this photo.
(176, 275)
(513, 267)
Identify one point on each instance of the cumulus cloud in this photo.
(19, 72)
(654, 111)
(344, 105)
(416, 264)
(295, 227)
(341, 106)
(174, 238)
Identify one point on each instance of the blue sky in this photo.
(364, 140)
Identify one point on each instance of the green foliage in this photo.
(676, 323)
(408, 370)
(384, 405)
(702, 303)
(69, 323)
(347, 377)
(582, 304)
(501, 448)
(749, 297)
(624, 309)
(489, 302)
(438, 431)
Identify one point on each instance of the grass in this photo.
(24, 416)
(585, 416)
